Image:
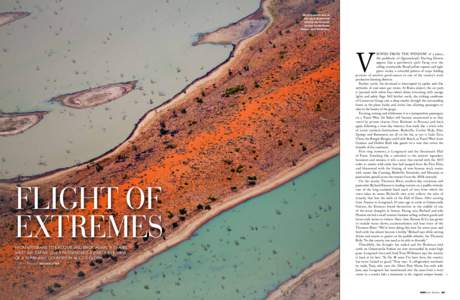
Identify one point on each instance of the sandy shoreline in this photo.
(285, 289)
(10, 17)
(238, 31)
(120, 270)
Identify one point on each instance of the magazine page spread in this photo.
(169, 149)
(237, 149)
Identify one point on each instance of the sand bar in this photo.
(271, 129)
(234, 33)
(96, 96)
(16, 123)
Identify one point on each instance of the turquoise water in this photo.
(249, 250)
(66, 46)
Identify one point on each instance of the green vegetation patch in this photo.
(234, 90)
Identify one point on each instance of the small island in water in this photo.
(16, 123)
(96, 96)
(268, 114)
(8, 17)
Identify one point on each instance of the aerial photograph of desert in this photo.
(230, 108)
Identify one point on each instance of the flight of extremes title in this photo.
(70, 199)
